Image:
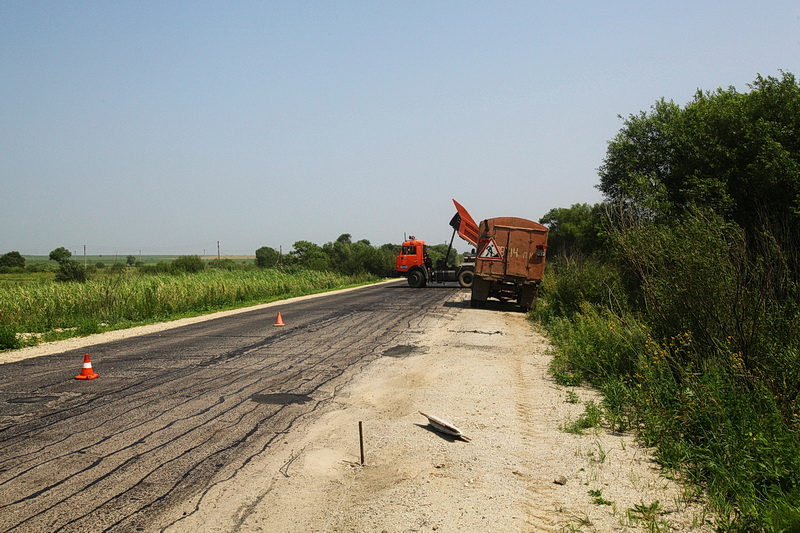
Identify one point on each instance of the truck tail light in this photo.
(541, 250)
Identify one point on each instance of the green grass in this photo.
(572, 397)
(592, 417)
(57, 310)
(597, 497)
(707, 417)
(699, 353)
(25, 277)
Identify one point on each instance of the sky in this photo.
(167, 127)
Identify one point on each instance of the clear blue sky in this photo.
(166, 126)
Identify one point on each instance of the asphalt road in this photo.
(175, 412)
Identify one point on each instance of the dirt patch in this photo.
(486, 372)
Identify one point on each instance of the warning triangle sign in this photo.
(490, 251)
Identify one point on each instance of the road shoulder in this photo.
(485, 371)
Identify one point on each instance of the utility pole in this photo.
(84, 256)
(217, 250)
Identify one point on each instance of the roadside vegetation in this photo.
(48, 311)
(62, 297)
(678, 296)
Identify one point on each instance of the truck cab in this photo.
(414, 263)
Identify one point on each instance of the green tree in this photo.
(575, 231)
(736, 153)
(12, 260)
(439, 257)
(309, 255)
(70, 270)
(130, 261)
(343, 255)
(701, 301)
(348, 257)
(267, 257)
(59, 255)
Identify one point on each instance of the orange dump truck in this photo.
(510, 261)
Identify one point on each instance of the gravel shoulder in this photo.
(485, 371)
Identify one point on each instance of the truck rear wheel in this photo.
(465, 278)
(416, 279)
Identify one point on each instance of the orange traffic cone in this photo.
(87, 372)
(279, 320)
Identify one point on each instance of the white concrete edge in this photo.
(49, 348)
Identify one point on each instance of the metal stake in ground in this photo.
(361, 440)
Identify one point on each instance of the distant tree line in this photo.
(342, 256)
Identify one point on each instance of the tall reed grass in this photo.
(127, 299)
(697, 351)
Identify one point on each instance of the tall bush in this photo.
(702, 276)
(70, 270)
(188, 263)
(700, 355)
(12, 260)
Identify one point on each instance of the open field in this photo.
(231, 257)
(35, 312)
(40, 268)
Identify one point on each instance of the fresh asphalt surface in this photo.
(175, 411)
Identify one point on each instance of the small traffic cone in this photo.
(87, 372)
(279, 320)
